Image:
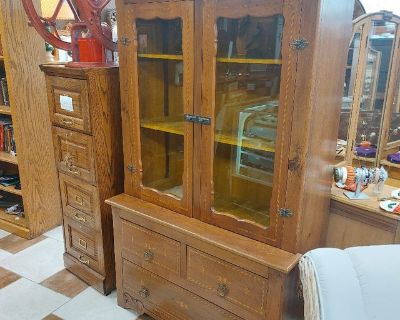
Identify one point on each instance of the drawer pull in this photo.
(82, 243)
(79, 200)
(82, 260)
(222, 289)
(144, 292)
(67, 122)
(71, 169)
(148, 255)
(78, 218)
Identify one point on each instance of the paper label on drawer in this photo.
(66, 103)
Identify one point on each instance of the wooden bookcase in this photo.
(23, 51)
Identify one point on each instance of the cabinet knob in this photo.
(148, 255)
(79, 200)
(144, 292)
(78, 218)
(222, 289)
(83, 260)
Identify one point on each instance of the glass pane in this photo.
(347, 100)
(375, 83)
(247, 93)
(161, 104)
(392, 150)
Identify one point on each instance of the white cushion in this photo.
(360, 283)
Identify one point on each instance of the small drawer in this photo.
(80, 201)
(164, 299)
(74, 154)
(150, 250)
(84, 244)
(227, 282)
(68, 103)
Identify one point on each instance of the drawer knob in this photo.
(144, 292)
(222, 289)
(67, 122)
(148, 255)
(79, 200)
(83, 260)
(78, 218)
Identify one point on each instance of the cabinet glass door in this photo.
(163, 70)
(244, 93)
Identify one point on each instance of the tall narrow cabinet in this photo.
(23, 51)
(229, 112)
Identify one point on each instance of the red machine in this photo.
(86, 51)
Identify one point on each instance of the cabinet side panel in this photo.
(24, 51)
(333, 37)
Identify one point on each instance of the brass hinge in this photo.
(195, 118)
(299, 44)
(131, 168)
(124, 40)
(285, 212)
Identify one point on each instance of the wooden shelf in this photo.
(11, 189)
(12, 218)
(250, 60)
(8, 157)
(176, 127)
(160, 56)
(370, 160)
(390, 164)
(5, 110)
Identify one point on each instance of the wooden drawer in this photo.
(74, 154)
(164, 299)
(150, 250)
(80, 201)
(68, 103)
(84, 244)
(227, 282)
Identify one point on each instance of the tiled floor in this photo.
(34, 284)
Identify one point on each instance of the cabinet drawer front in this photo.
(74, 154)
(80, 201)
(84, 244)
(150, 250)
(227, 281)
(165, 299)
(68, 102)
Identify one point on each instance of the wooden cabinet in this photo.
(84, 105)
(227, 122)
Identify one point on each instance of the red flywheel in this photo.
(86, 12)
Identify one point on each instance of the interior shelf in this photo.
(11, 189)
(12, 218)
(370, 160)
(8, 157)
(390, 164)
(5, 110)
(176, 127)
(160, 56)
(250, 60)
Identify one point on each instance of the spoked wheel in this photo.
(90, 11)
(46, 26)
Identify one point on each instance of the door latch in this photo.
(285, 212)
(195, 118)
(299, 44)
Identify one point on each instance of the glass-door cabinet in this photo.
(369, 91)
(243, 121)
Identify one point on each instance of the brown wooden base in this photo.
(16, 229)
(96, 280)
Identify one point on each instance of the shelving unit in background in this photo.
(23, 52)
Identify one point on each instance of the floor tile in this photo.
(56, 234)
(37, 262)
(3, 233)
(14, 244)
(7, 277)
(66, 283)
(90, 304)
(25, 299)
(4, 254)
